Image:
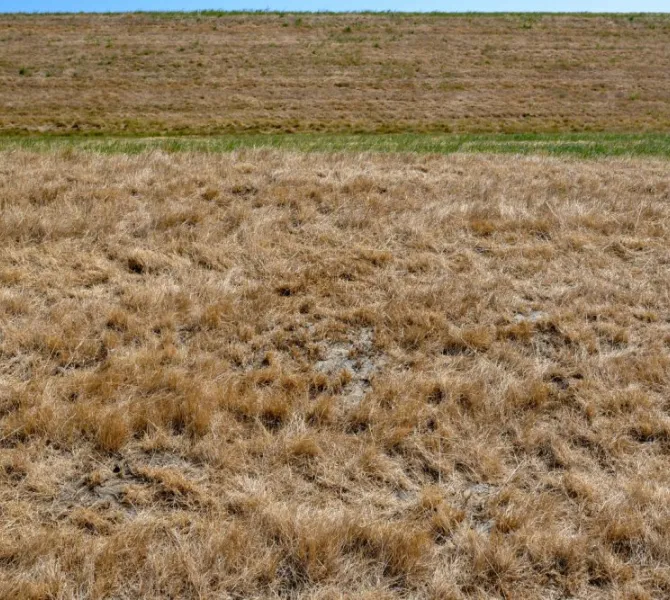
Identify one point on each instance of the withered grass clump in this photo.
(154, 74)
(266, 374)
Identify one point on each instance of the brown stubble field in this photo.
(271, 374)
(152, 74)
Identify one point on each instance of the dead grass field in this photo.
(282, 375)
(154, 74)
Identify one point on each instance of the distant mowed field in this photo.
(267, 374)
(152, 74)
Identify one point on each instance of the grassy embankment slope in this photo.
(218, 73)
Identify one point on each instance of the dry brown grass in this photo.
(152, 74)
(268, 374)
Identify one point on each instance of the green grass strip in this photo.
(580, 145)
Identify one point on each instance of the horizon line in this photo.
(223, 12)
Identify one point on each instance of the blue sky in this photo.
(338, 5)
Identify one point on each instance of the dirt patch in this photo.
(129, 487)
(355, 356)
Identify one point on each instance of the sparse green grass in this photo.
(578, 145)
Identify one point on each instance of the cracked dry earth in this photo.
(276, 375)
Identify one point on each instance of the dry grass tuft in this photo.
(266, 374)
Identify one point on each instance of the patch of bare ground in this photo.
(153, 74)
(267, 374)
